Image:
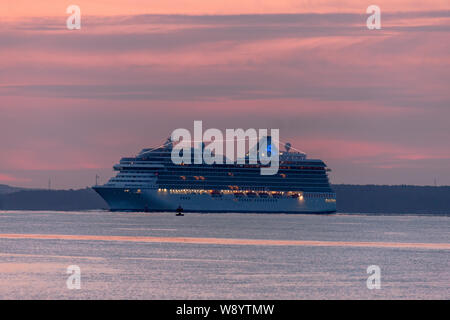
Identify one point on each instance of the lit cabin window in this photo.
(183, 177)
(283, 175)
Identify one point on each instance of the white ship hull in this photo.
(152, 199)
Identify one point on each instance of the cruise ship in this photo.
(151, 182)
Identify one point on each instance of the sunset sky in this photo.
(373, 104)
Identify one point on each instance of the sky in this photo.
(373, 104)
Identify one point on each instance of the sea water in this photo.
(222, 256)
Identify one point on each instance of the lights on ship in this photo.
(248, 193)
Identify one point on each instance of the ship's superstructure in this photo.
(150, 181)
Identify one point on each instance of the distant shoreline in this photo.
(351, 199)
(392, 214)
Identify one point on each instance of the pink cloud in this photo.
(340, 92)
(7, 178)
(360, 151)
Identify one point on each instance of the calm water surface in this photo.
(210, 256)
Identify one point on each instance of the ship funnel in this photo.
(287, 146)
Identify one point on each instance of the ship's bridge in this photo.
(292, 156)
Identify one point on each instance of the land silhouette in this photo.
(376, 199)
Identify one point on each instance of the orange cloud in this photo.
(42, 8)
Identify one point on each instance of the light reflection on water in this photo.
(36, 267)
